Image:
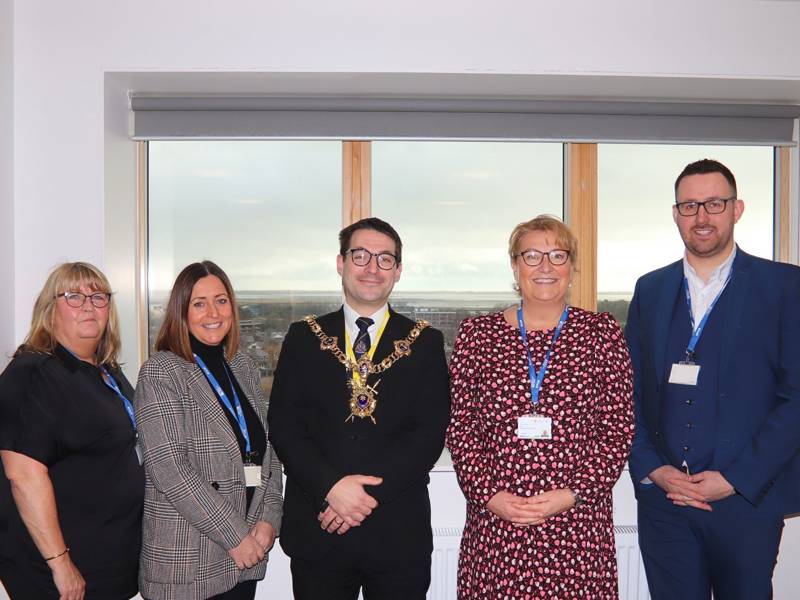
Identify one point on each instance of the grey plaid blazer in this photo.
(194, 507)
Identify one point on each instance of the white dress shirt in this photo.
(702, 293)
(350, 316)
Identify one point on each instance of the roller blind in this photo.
(219, 117)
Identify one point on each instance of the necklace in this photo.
(364, 397)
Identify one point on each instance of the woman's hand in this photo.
(247, 554)
(264, 534)
(533, 510)
(514, 509)
(67, 578)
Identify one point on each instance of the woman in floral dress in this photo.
(538, 447)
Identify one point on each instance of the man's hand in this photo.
(330, 521)
(247, 554)
(679, 488)
(348, 498)
(707, 486)
(68, 580)
(264, 534)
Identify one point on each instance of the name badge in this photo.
(684, 374)
(252, 475)
(533, 427)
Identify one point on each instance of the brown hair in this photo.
(174, 333)
(564, 236)
(375, 224)
(706, 166)
(68, 277)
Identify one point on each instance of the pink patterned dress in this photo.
(587, 392)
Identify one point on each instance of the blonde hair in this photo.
(69, 277)
(564, 236)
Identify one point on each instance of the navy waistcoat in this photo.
(689, 413)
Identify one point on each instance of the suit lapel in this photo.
(739, 284)
(670, 288)
(209, 405)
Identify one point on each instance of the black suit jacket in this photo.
(307, 412)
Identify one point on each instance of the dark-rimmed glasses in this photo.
(714, 206)
(362, 256)
(78, 299)
(533, 257)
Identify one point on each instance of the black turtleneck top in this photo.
(214, 358)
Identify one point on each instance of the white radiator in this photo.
(632, 581)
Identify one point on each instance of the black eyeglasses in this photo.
(714, 206)
(534, 257)
(78, 299)
(362, 256)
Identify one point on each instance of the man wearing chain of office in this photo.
(358, 412)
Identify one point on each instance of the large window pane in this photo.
(636, 233)
(267, 212)
(454, 205)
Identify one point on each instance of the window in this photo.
(454, 204)
(267, 212)
(636, 233)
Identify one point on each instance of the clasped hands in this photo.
(254, 547)
(697, 491)
(530, 510)
(348, 503)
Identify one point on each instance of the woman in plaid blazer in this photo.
(213, 500)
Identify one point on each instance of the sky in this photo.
(268, 212)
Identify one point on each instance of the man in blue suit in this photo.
(715, 344)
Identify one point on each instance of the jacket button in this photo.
(215, 485)
(352, 438)
(689, 401)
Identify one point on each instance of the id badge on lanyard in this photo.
(686, 372)
(533, 426)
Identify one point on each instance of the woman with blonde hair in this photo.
(540, 429)
(73, 485)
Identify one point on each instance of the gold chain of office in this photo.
(364, 366)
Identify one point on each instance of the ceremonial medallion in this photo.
(363, 401)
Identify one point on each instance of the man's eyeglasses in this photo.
(534, 258)
(362, 256)
(714, 206)
(77, 299)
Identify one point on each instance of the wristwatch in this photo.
(577, 498)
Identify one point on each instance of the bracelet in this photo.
(62, 553)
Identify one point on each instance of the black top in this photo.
(214, 359)
(57, 410)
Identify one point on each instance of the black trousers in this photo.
(342, 573)
(243, 591)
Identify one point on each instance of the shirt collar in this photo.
(350, 316)
(68, 359)
(718, 275)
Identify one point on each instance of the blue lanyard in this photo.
(538, 378)
(109, 381)
(238, 413)
(698, 331)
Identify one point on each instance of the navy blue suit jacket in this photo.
(758, 392)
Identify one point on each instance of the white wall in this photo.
(6, 180)
(68, 185)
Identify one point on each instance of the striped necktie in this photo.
(362, 343)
